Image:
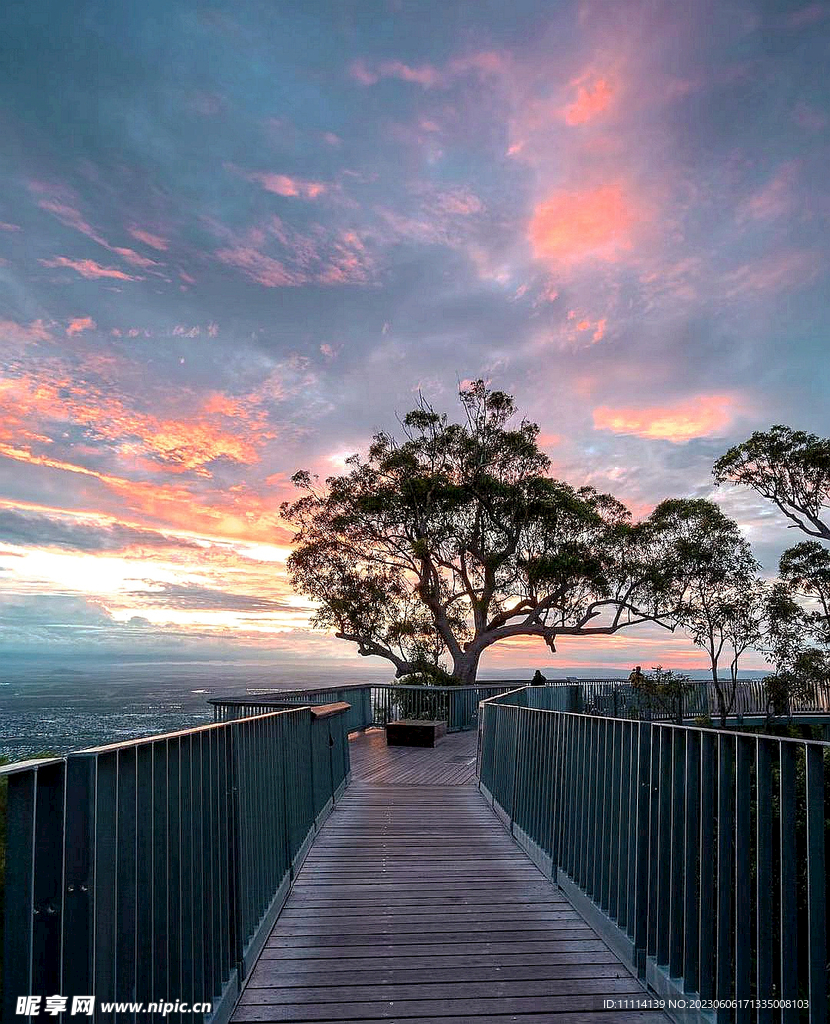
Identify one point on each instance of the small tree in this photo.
(798, 665)
(724, 604)
(666, 691)
(454, 538)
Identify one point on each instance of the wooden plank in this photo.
(414, 905)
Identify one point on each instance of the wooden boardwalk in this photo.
(415, 906)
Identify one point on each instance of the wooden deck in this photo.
(451, 763)
(415, 906)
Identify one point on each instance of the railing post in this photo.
(20, 829)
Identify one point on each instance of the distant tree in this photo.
(805, 571)
(791, 468)
(454, 538)
(724, 607)
(798, 664)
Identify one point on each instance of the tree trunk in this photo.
(720, 694)
(465, 667)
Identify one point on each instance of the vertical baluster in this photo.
(78, 853)
(691, 900)
(160, 866)
(20, 866)
(763, 876)
(788, 895)
(145, 933)
(708, 754)
(664, 889)
(645, 843)
(743, 926)
(816, 882)
(725, 888)
(676, 877)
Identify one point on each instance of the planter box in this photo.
(414, 732)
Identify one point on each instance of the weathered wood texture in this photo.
(451, 763)
(415, 906)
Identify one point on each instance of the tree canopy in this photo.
(453, 537)
(789, 467)
(725, 599)
(792, 469)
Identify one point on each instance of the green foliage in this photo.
(789, 467)
(665, 691)
(453, 537)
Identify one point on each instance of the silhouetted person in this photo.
(538, 679)
(637, 679)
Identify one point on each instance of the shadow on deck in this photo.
(414, 905)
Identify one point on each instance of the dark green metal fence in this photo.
(700, 855)
(698, 699)
(154, 869)
(375, 705)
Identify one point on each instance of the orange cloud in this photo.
(79, 324)
(148, 238)
(88, 268)
(700, 416)
(571, 226)
(244, 514)
(220, 428)
(590, 100)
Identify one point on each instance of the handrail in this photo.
(153, 869)
(698, 854)
(698, 699)
(375, 704)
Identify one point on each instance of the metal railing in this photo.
(375, 704)
(153, 870)
(698, 854)
(699, 699)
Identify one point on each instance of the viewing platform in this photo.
(562, 855)
(415, 905)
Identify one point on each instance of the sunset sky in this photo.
(238, 238)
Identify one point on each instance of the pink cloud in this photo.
(571, 226)
(322, 256)
(284, 185)
(36, 330)
(700, 416)
(5, 226)
(810, 118)
(79, 324)
(776, 197)
(88, 268)
(57, 202)
(258, 267)
(148, 238)
(427, 75)
(591, 100)
(777, 272)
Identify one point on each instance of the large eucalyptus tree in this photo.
(453, 537)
